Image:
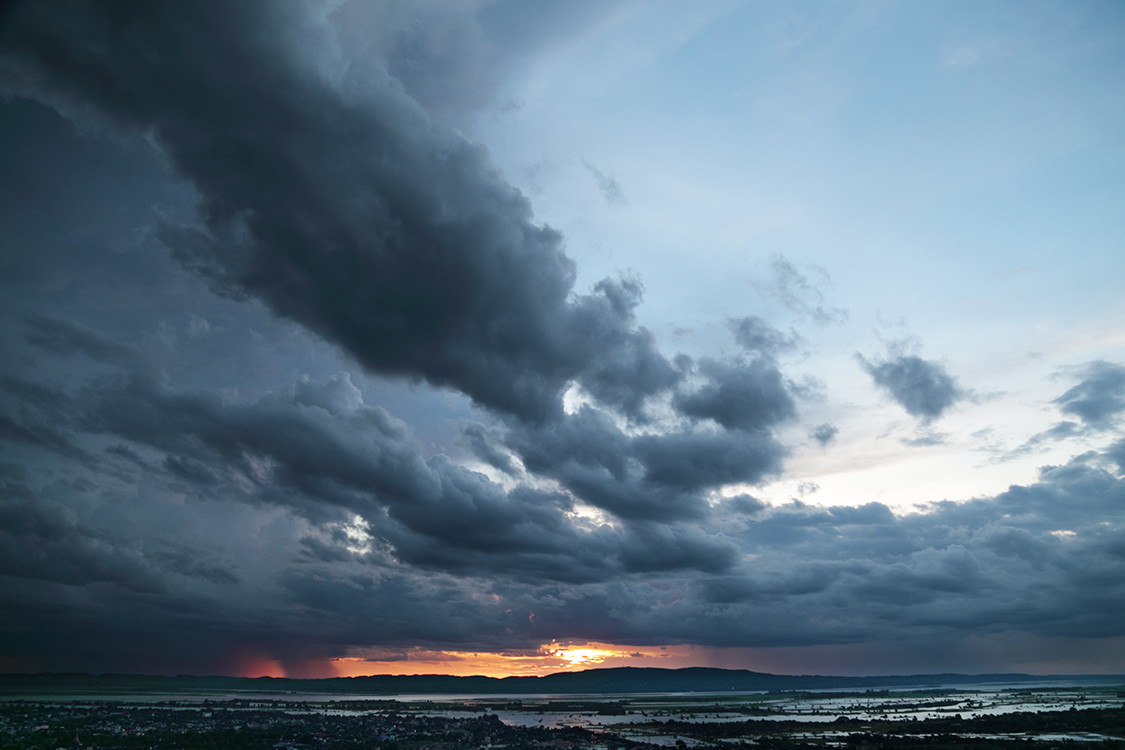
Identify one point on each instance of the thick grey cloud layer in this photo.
(191, 478)
(454, 561)
(333, 197)
(319, 452)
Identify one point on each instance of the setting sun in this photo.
(584, 657)
(546, 659)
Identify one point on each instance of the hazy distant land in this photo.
(592, 681)
(622, 709)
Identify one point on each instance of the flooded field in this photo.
(980, 716)
(650, 717)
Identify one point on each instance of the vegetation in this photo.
(257, 724)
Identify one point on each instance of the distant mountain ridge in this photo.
(606, 681)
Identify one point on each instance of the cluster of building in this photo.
(262, 725)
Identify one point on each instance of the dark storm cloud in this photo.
(1035, 559)
(65, 338)
(73, 208)
(739, 395)
(1099, 398)
(628, 368)
(745, 504)
(1116, 453)
(653, 477)
(460, 562)
(35, 414)
(320, 451)
(26, 429)
(484, 444)
(345, 208)
(332, 196)
(920, 386)
(704, 460)
(42, 540)
(176, 490)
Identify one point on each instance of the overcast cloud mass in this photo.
(294, 369)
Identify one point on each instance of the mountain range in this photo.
(592, 681)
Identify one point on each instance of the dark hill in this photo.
(617, 680)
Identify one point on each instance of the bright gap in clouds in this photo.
(547, 659)
(975, 655)
(931, 213)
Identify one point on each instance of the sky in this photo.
(504, 337)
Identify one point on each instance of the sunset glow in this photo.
(1032, 655)
(258, 667)
(585, 657)
(549, 658)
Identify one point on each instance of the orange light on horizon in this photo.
(547, 659)
(260, 667)
(583, 657)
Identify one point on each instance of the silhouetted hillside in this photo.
(617, 680)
